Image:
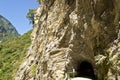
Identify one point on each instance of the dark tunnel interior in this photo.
(85, 69)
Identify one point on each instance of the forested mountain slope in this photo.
(12, 53)
(7, 30)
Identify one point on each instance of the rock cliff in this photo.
(74, 38)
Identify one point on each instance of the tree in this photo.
(39, 1)
(30, 15)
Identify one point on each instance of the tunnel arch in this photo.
(85, 69)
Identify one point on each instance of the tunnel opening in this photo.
(85, 69)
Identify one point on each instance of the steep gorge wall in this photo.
(66, 34)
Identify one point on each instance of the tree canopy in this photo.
(39, 1)
(30, 15)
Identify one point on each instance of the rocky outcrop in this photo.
(69, 39)
(108, 63)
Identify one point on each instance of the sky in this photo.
(15, 11)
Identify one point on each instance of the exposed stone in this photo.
(68, 35)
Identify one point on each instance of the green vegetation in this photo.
(12, 53)
(39, 1)
(7, 30)
(30, 15)
(33, 69)
(31, 12)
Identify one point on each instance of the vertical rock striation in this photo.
(67, 36)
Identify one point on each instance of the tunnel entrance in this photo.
(85, 69)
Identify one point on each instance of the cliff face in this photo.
(72, 38)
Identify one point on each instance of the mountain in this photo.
(12, 53)
(7, 30)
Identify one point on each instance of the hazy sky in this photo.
(15, 11)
